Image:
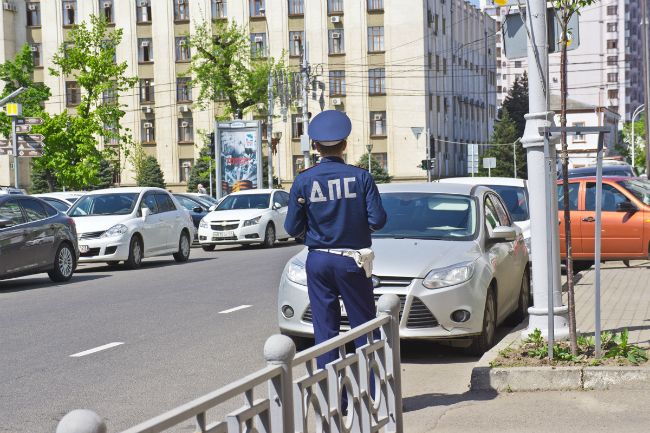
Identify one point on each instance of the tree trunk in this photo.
(565, 184)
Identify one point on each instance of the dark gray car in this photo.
(34, 238)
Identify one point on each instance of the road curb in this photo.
(520, 379)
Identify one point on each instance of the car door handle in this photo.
(588, 219)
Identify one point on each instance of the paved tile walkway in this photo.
(625, 300)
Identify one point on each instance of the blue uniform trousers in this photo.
(328, 277)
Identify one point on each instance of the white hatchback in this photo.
(129, 224)
(253, 216)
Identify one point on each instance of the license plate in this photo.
(83, 248)
(227, 234)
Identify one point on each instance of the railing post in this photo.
(280, 350)
(81, 421)
(389, 305)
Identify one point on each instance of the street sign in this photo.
(30, 152)
(29, 121)
(6, 151)
(489, 162)
(4, 142)
(30, 138)
(21, 129)
(515, 37)
(417, 130)
(14, 109)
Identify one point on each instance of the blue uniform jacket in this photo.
(341, 206)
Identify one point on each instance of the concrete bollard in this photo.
(81, 421)
(280, 350)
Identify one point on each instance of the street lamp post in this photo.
(369, 147)
(638, 111)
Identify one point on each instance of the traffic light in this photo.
(426, 164)
(211, 145)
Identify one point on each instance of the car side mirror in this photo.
(503, 234)
(197, 209)
(145, 213)
(276, 206)
(626, 206)
(212, 208)
(4, 223)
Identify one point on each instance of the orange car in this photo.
(625, 219)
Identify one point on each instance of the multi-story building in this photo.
(606, 70)
(390, 64)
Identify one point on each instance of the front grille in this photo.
(224, 225)
(345, 322)
(394, 281)
(90, 235)
(229, 238)
(90, 253)
(420, 316)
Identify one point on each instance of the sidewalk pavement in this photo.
(451, 407)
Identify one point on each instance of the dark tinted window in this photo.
(187, 203)
(11, 211)
(245, 201)
(149, 201)
(504, 218)
(515, 200)
(611, 197)
(573, 196)
(282, 198)
(104, 204)
(59, 205)
(34, 210)
(165, 203)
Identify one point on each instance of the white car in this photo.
(514, 193)
(62, 201)
(254, 216)
(129, 224)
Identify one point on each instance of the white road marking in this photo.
(96, 349)
(232, 310)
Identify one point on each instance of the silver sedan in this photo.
(452, 254)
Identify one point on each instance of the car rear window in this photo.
(11, 211)
(34, 209)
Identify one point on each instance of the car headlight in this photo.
(527, 242)
(116, 230)
(450, 276)
(297, 273)
(204, 224)
(252, 222)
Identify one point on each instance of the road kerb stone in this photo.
(600, 378)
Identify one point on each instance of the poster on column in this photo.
(239, 145)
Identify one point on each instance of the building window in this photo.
(111, 136)
(148, 131)
(579, 137)
(375, 5)
(182, 49)
(69, 12)
(146, 92)
(377, 81)
(143, 11)
(375, 39)
(37, 55)
(612, 60)
(435, 24)
(109, 96)
(72, 93)
(444, 66)
(295, 43)
(296, 7)
(612, 10)
(257, 8)
(258, 44)
(219, 9)
(336, 41)
(296, 126)
(181, 10)
(185, 167)
(444, 26)
(33, 14)
(185, 130)
(183, 89)
(106, 10)
(517, 63)
(382, 159)
(377, 123)
(334, 6)
(612, 94)
(612, 27)
(437, 63)
(337, 83)
(612, 44)
(612, 77)
(145, 50)
(298, 164)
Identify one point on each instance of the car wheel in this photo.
(269, 236)
(135, 253)
(64, 264)
(521, 312)
(482, 343)
(208, 247)
(626, 263)
(184, 245)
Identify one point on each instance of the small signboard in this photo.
(489, 162)
(21, 129)
(29, 121)
(14, 109)
(515, 37)
(472, 158)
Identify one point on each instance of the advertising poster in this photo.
(239, 144)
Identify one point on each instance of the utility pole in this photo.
(305, 102)
(269, 129)
(541, 186)
(646, 83)
(487, 104)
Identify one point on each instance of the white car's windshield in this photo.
(104, 204)
(515, 199)
(245, 201)
(428, 216)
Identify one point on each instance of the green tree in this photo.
(42, 181)
(265, 172)
(505, 131)
(377, 171)
(516, 103)
(625, 150)
(225, 68)
(200, 172)
(106, 175)
(150, 173)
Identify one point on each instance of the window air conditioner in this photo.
(184, 108)
(143, 3)
(335, 19)
(336, 35)
(185, 124)
(182, 42)
(144, 44)
(68, 6)
(336, 101)
(31, 7)
(296, 37)
(181, 2)
(148, 125)
(33, 48)
(377, 117)
(259, 39)
(147, 110)
(107, 5)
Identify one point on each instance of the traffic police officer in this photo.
(335, 207)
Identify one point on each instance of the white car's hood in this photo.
(101, 223)
(423, 256)
(235, 214)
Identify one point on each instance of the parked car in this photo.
(62, 201)
(205, 197)
(10, 190)
(196, 206)
(34, 238)
(513, 192)
(450, 252)
(625, 219)
(129, 224)
(254, 216)
(621, 170)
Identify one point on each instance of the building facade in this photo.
(389, 64)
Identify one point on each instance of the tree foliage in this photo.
(505, 131)
(150, 173)
(224, 68)
(639, 139)
(200, 172)
(516, 103)
(377, 170)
